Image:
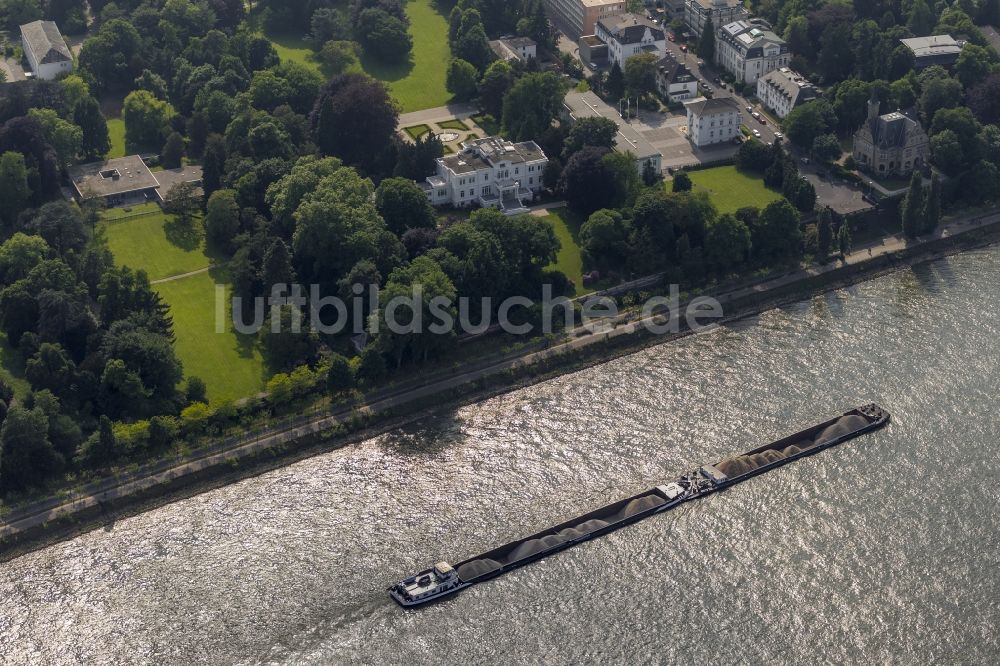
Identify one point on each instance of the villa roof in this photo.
(702, 105)
(45, 42)
(630, 28)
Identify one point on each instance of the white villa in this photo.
(712, 121)
(750, 49)
(490, 172)
(629, 35)
(45, 49)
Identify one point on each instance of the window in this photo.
(461, 195)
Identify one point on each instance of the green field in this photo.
(231, 365)
(295, 49)
(569, 260)
(156, 243)
(419, 83)
(116, 132)
(417, 131)
(730, 189)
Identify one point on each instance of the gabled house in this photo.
(46, 50)
(629, 35)
(782, 90)
(674, 81)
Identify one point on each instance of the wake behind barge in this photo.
(444, 579)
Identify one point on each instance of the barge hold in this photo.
(443, 578)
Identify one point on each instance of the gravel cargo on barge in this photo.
(443, 578)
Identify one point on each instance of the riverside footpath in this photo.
(98, 502)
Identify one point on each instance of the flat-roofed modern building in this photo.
(628, 140)
(577, 18)
(127, 180)
(46, 50)
(491, 172)
(697, 13)
(934, 50)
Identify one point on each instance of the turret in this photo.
(873, 106)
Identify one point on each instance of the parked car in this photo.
(762, 119)
(749, 109)
(804, 160)
(684, 48)
(756, 132)
(779, 135)
(756, 116)
(592, 66)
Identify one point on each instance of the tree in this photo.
(494, 86)
(984, 99)
(932, 208)
(60, 225)
(596, 131)
(974, 64)
(462, 79)
(88, 117)
(640, 75)
(172, 155)
(808, 121)
(340, 376)
(531, 105)
(824, 234)
(624, 178)
(113, 57)
(408, 339)
(99, 449)
(403, 205)
(938, 93)
(355, 119)
(913, 206)
(14, 185)
(27, 458)
(213, 164)
(706, 45)
(371, 369)
(383, 36)
(584, 181)
(844, 240)
(727, 244)
(222, 220)
(947, 153)
(682, 182)
(145, 118)
(604, 240)
(183, 202)
(826, 148)
(920, 19)
(775, 235)
(338, 56)
(615, 85)
(64, 136)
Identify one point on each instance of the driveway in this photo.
(12, 69)
(437, 114)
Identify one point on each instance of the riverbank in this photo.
(27, 529)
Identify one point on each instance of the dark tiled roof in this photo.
(891, 129)
(630, 28)
(672, 71)
(46, 42)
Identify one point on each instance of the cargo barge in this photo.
(443, 579)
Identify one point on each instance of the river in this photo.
(882, 550)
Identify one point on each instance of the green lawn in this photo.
(116, 132)
(420, 82)
(569, 260)
(454, 124)
(730, 189)
(417, 131)
(488, 124)
(295, 49)
(230, 364)
(156, 243)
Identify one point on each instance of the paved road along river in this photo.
(883, 550)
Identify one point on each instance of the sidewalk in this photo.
(93, 496)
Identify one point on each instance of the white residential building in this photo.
(697, 13)
(712, 121)
(46, 50)
(782, 90)
(674, 81)
(749, 49)
(521, 49)
(490, 172)
(629, 35)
